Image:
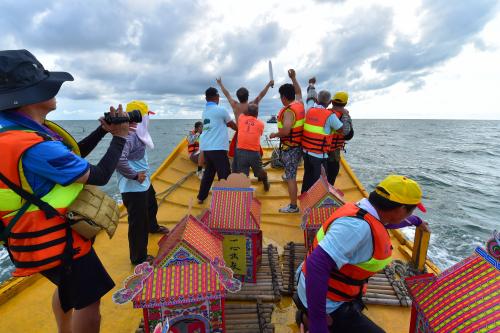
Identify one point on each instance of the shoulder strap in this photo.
(12, 128)
(49, 211)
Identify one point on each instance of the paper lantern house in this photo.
(464, 298)
(235, 213)
(189, 297)
(317, 204)
(186, 286)
(190, 241)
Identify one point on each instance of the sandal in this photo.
(161, 230)
(149, 258)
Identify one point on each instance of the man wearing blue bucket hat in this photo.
(42, 169)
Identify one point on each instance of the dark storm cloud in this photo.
(98, 25)
(234, 55)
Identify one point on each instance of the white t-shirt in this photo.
(214, 135)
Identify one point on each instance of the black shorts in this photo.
(249, 159)
(87, 282)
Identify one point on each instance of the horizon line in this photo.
(481, 119)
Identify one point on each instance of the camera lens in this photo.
(135, 116)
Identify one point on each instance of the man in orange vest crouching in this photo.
(317, 138)
(351, 246)
(250, 130)
(41, 174)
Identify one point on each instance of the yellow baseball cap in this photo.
(402, 190)
(341, 97)
(139, 106)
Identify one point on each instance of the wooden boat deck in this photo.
(25, 303)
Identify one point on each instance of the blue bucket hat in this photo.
(24, 81)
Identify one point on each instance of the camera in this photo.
(134, 116)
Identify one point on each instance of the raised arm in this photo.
(296, 85)
(263, 92)
(226, 93)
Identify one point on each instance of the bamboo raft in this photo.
(268, 286)
(385, 288)
(25, 303)
(249, 317)
(244, 317)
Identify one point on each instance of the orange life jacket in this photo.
(35, 243)
(295, 137)
(314, 137)
(195, 146)
(350, 281)
(250, 130)
(337, 141)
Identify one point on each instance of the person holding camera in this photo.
(40, 157)
(138, 194)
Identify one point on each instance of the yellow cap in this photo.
(402, 190)
(340, 97)
(138, 105)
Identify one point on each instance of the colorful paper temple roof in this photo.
(321, 194)
(174, 285)
(315, 217)
(464, 298)
(195, 235)
(234, 209)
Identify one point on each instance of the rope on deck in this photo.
(167, 192)
(271, 252)
(260, 317)
(396, 272)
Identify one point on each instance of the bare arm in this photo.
(226, 93)
(263, 92)
(288, 120)
(232, 125)
(296, 85)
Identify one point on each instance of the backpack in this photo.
(349, 135)
(346, 119)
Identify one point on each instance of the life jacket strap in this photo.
(34, 234)
(31, 248)
(339, 276)
(342, 294)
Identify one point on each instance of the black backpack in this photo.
(349, 135)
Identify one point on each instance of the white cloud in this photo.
(395, 58)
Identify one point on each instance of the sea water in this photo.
(455, 162)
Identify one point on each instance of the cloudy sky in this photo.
(397, 59)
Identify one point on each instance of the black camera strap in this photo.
(30, 198)
(49, 211)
